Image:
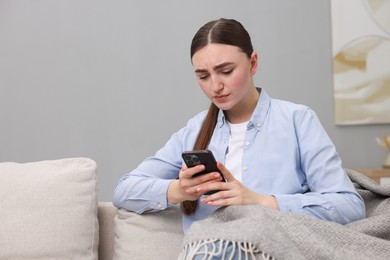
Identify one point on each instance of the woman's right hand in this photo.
(186, 187)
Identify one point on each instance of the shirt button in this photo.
(247, 143)
(244, 169)
(159, 205)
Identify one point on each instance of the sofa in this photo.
(50, 210)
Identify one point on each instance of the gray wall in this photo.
(112, 80)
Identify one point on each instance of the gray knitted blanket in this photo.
(261, 233)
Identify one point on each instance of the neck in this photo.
(243, 111)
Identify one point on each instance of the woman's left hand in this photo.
(233, 192)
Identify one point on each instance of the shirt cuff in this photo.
(159, 201)
(288, 202)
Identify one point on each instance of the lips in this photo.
(221, 97)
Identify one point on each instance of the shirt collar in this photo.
(259, 114)
(221, 119)
(261, 110)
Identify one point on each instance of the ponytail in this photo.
(202, 142)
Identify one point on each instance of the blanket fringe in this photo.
(223, 249)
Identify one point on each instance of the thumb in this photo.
(184, 166)
(225, 172)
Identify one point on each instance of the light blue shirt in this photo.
(287, 153)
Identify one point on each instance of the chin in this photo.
(224, 107)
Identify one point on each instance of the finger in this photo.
(228, 176)
(193, 193)
(222, 198)
(191, 185)
(222, 189)
(206, 177)
(223, 202)
(202, 182)
(184, 166)
(189, 172)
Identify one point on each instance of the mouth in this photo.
(220, 97)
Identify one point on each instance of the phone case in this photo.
(205, 157)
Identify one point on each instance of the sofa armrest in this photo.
(106, 215)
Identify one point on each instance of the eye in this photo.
(203, 77)
(227, 72)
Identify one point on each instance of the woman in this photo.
(271, 152)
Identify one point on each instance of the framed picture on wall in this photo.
(361, 61)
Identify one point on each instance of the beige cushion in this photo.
(48, 210)
(106, 215)
(148, 236)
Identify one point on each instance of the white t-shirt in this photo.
(235, 150)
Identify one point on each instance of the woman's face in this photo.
(225, 74)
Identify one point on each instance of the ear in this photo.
(254, 63)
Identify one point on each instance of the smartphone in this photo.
(205, 157)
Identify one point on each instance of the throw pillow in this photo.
(48, 210)
(148, 236)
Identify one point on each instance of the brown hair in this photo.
(223, 31)
(188, 207)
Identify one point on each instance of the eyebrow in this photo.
(216, 67)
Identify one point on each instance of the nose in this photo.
(216, 85)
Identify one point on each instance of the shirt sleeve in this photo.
(331, 194)
(145, 188)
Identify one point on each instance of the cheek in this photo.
(204, 88)
(240, 80)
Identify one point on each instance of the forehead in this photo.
(215, 53)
